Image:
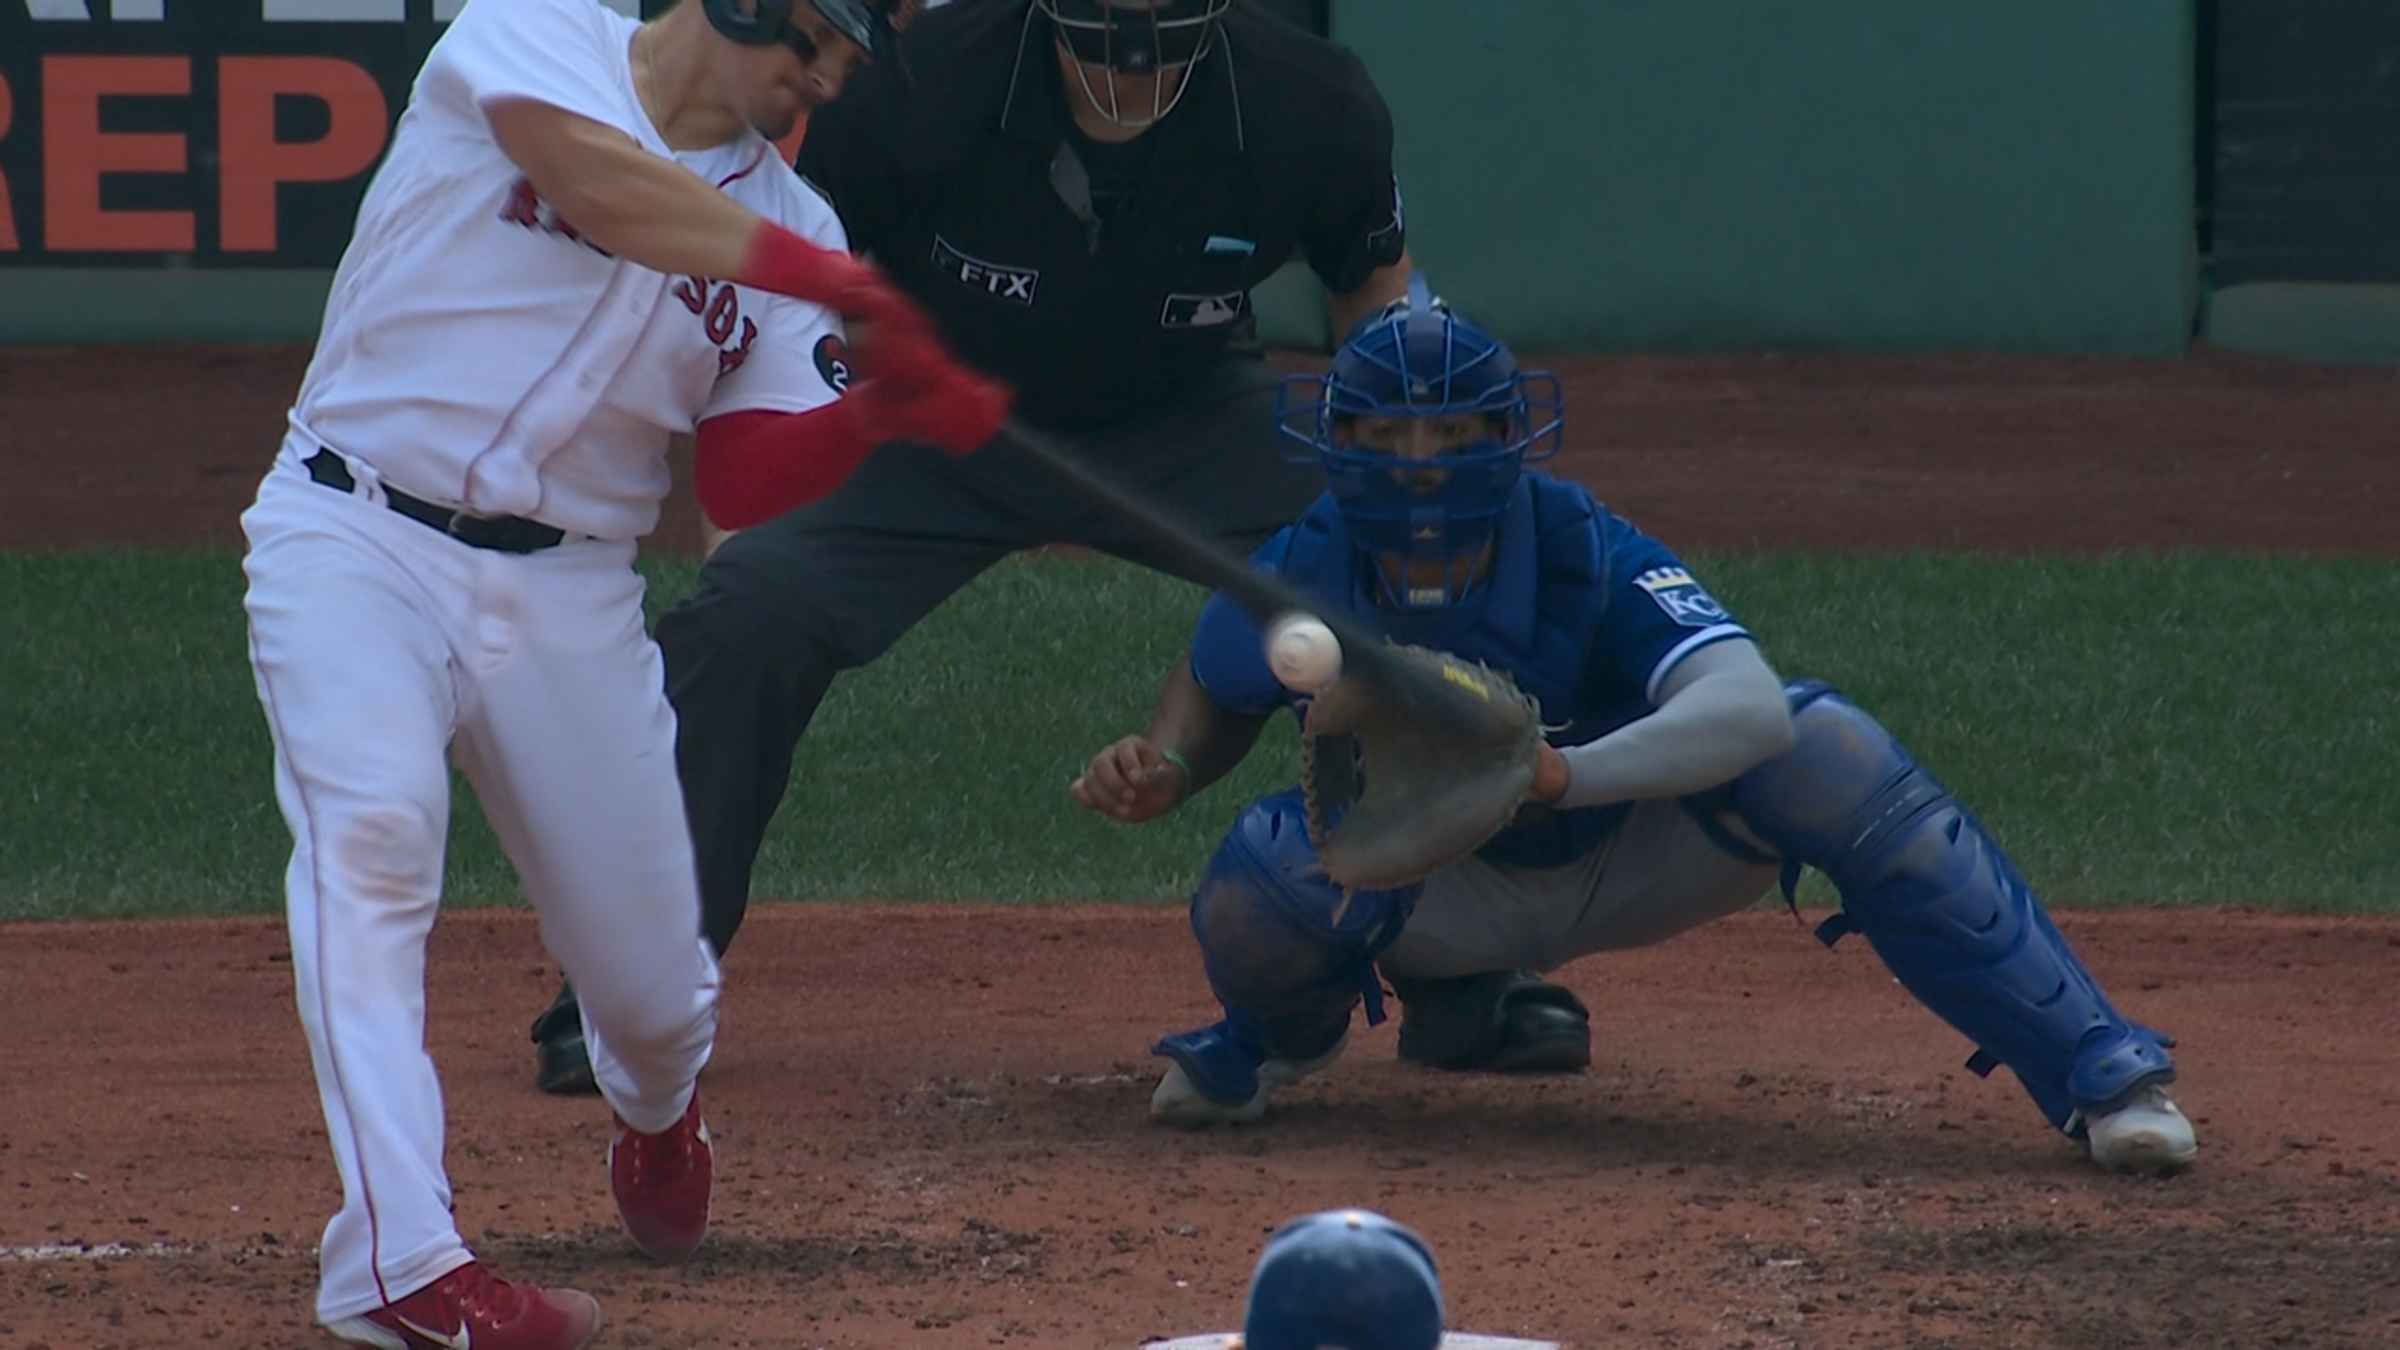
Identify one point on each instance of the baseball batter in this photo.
(580, 243)
(1682, 777)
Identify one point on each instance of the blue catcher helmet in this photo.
(1346, 1278)
(1419, 359)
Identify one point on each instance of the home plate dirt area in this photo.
(932, 1132)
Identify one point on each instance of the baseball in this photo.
(1303, 652)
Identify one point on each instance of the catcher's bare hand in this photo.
(1549, 774)
(1130, 781)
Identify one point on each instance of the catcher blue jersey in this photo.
(1587, 613)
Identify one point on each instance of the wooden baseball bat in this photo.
(1265, 595)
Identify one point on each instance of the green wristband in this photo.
(1176, 758)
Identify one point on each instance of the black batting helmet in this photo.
(865, 22)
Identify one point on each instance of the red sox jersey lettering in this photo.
(525, 207)
(719, 305)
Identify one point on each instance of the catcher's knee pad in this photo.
(1944, 907)
(1507, 1020)
(1282, 944)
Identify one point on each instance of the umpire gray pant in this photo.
(783, 607)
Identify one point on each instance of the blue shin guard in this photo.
(1288, 953)
(1945, 908)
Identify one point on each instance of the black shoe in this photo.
(561, 1064)
(1544, 1038)
(1507, 1021)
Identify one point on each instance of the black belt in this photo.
(503, 534)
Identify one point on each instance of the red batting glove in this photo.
(911, 388)
(959, 412)
(783, 262)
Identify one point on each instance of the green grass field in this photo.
(2179, 730)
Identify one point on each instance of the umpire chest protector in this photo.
(1534, 618)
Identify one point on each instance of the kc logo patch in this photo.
(1203, 311)
(1682, 597)
(997, 280)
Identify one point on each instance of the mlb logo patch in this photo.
(1682, 598)
(1203, 311)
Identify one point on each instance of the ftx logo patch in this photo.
(997, 280)
(1681, 597)
(1203, 311)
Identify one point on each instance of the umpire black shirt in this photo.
(1098, 279)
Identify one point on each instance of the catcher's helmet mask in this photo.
(1134, 37)
(865, 22)
(1417, 358)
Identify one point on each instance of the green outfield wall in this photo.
(1797, 172)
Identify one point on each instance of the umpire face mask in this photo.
(1136, 46)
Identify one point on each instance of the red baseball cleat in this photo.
(662, 1183)
(471, 1309)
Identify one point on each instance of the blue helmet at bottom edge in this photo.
(1347, 1278)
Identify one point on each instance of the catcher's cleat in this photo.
(1216, 1079)
(562, 1062)
(2147, 1134)
(1508, 1021)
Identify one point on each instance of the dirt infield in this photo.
(923, 1146)
(932, 1119)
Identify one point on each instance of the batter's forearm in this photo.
(654, 212)
(1209, 740)
(634, 204)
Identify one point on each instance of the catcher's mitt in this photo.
(1413, 759)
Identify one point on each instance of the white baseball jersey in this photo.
(480, 353)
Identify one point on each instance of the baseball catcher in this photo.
(1614, 763)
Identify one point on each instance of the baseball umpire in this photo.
(1084, 194)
